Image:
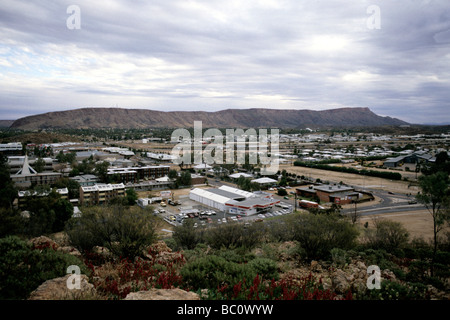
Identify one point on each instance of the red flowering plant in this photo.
(305, 288)
(115, 279)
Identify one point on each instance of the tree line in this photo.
(371, 173)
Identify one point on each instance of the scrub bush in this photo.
(23, 268)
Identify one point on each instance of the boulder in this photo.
(43, 242)
(340, 282)
(70, 250)
(57, 289)
(163, 294)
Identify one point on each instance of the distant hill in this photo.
(230, 118)
(6, 123)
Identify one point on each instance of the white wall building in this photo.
(232, 200)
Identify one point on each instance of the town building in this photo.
(161, 157)
(233, 201)
(136, 174)
(237, 175)
(338, 194)
(27, 176)
(15, 163)
(411, 157)
(85, 179)
(11, 148)
(265, 182)
(23, 196)
(100, 193)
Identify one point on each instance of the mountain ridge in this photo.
(230, 118)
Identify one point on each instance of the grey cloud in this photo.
(230, 51)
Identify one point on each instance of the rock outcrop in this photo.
(57, 289)
(163, 294)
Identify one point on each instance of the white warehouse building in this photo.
(232, 200)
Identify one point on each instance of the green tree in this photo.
(435, 195)
(283, 180)
(442, 163)
(318, 234)
(387, 235)
(11, 222)
(131, 196)
(72, 185)
(23, 268)
(47, 213)
(101, 170)
(125, 231)
(39, 165)
(186, 236)
(185, 178)
(8, 193)
(173, 174)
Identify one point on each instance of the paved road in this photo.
(389, 203)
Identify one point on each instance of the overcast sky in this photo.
(208, 55)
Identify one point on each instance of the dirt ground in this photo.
(418, 223)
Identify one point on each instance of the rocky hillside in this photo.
(231, 118)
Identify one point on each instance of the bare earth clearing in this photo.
(355, 180)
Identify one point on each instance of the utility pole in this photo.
(295, 200)
(355, 216)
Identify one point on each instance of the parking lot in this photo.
(206, 216)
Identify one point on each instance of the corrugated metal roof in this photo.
(240, 192)
(209, 195)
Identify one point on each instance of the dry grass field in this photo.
(356, 180)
